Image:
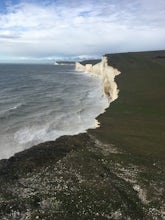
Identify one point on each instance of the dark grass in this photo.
(135, 121)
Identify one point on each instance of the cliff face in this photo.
(106, 73)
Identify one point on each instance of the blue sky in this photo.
(47, 30)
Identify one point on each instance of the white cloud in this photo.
(75, 27)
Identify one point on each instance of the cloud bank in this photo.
(47, 30)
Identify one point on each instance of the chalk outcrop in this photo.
(106, 73)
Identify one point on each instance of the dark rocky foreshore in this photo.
(76, 177)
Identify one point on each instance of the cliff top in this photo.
(93, 62)
(116, 58)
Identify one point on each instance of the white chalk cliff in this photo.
(106, 73)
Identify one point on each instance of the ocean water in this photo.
(39, 103)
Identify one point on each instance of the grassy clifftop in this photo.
(114, 172)
(135, 121)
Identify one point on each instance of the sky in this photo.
(49, 30)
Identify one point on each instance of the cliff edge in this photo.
(106, 73)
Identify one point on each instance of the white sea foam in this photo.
(64, 124)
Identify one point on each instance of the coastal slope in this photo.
(112, 172)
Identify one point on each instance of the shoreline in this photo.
(113, 172)
(26, 135)
(106, 74)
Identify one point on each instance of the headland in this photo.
(113, 172)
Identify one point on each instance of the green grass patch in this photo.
(135, 121)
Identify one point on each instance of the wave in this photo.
(15, 107)
(33, 135)
(10, 110)
(66, 109)
(76, 121)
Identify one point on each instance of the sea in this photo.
(41, 102)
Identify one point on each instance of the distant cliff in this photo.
(105, 72)
(64, 63)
